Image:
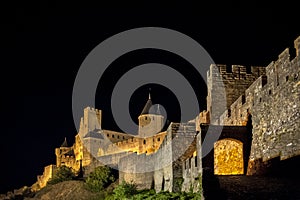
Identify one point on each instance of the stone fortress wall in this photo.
(273, 102)
(163, 169)
(47, 174)
(136, 144)
(226, 84)
(172, 160)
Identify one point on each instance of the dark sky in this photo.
(44, 43)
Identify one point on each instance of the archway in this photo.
(228, 157)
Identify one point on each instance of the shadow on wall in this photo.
(211, 186)
(284, 168)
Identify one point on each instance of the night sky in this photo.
(44, 43)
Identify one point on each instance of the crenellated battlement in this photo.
(278, 74)
(225, 85)
(136, 144)
(236, 81)
(235, 72)
(273, 102)
(264, 100)
(97, 111)
(90, 121)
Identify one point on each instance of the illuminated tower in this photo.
(151, 121)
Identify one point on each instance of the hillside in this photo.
(67, 190)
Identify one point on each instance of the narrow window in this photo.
(270, 92)
(196, 161)
(107, 135)
(113, 136)
(229, 113)
(287, 78)
(243, 99)
(277, 77)
(144, 141)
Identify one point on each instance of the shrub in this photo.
(100, 178)
(125, 190)
(63, 173)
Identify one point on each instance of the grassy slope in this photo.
(67, 190)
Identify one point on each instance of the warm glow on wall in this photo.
(228, 157)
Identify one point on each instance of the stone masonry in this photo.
(256, 110)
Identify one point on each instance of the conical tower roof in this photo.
(64, 144)
(147, 106)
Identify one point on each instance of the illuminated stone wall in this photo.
(47, 174)
(273, 102)
(202, 118)
(228, 157)
(150, 124)
(162, 169)
(233, 81)
(135, 144)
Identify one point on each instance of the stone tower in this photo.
(225, 85)
(151, 121)
(64, 155)
(90, 121)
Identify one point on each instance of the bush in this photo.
(128, 191)
(100, 178)
(63, 173)
(163, 195)
(125, 190)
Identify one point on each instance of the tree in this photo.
(63, 173)
(100, 178)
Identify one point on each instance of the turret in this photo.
(62, 150)
(90, 121)
(150, 120)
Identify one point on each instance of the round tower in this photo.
(151, 121)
